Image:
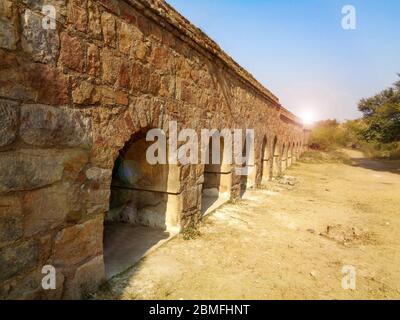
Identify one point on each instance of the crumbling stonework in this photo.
(70, 100)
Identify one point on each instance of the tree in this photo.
(382, 115)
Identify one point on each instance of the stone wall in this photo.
(71, 98)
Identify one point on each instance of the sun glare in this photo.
(308, 117)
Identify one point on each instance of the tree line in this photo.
(377, 132)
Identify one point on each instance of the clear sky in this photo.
(299, 50)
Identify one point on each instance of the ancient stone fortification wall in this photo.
(71, 98)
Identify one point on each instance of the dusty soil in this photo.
(286, 242)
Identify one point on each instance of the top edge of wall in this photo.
(166, 12)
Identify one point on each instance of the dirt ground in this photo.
(285, 241)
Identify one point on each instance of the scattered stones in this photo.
(347, 235)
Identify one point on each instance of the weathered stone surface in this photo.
(14, 260)
(77, 14)
(124, 75)
(43, 125)
(92, 197)
(7, 9)
(8, 122)
(29, 169)
(10, 219)
(111, 97)
(94, 20)
(140, 78)
(190, 198)
(108, 26)
(93, 60)
(41, 44)
(125, 38)
(20, 79)
(45, 209)
(87, 279)
(59, 5)
(111, 65)
(80, 242)
(72, 53)
(86, 93)
(28, 287)
(8, 27)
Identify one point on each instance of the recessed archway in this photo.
(275, 163)
(144, 206)
(265, 162)
(284, 151)
(216, 189)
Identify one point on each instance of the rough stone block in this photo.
(94, 20)
(29, 169)
(86, 280)
(18, 259)
(8, 27)
(79, 242)
(77, 14)
(109, 29)
(10, 219)
(42, 44)
(72, 53)
(86, 93)
(44, 209)
(43, 125)
(59, 5)
(111, 66)
(125, 38)
(20, 79)
(8, 122)
(93, 60)
(140, 78)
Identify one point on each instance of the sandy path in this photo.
(274, 244)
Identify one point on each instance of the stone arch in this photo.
(146, 200)
(217, 177)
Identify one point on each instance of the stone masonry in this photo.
(73, 96)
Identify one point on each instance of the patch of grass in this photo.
(332, 156)
(191, 232)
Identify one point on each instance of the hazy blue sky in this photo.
(298, 49)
